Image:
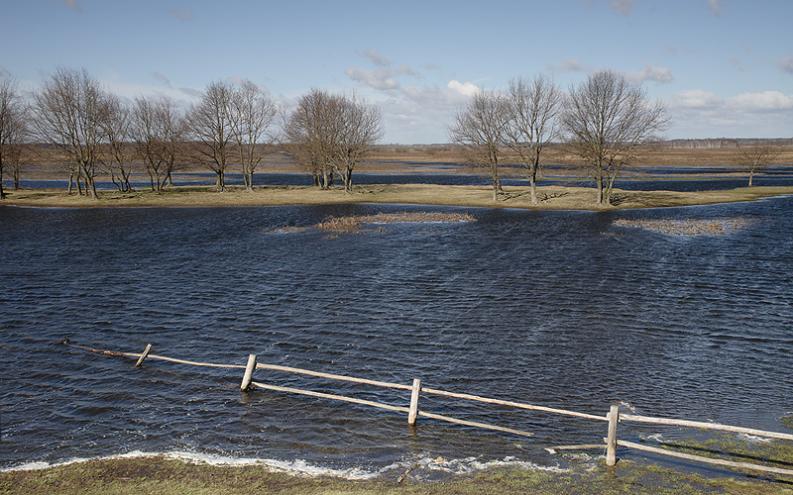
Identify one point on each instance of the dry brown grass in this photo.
(552, 197)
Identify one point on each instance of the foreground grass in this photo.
(157, 475)
(552, 197)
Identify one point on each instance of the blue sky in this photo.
(722, 67)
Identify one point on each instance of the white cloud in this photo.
(464, 88)
(377, 58)
(624, 7)
(762, 101)
(786, 65)
(384, 77)
(715, 7)
(570, 65)
(381, 79)
(696, 98)
(652, 73)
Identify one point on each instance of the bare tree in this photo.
(12, 130)
(310, 135)
(533, 107)
(67, 113)
(359, 128)
(211, 125)
(157, 129)
(331, 134)
(116, 123)
(757, 156)
(253, 113)
(607, 119)
(480, 128)
(173, 128)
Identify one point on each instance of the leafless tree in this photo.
(480, 128)
(173, 128)
(310, 135)
(211, 125)
(533, 107)
(157, 129)
(116, 123)
(756, 157)
(359, 128)
(606, 120)
(253, 113)
(13, 130)
(331, 134)
(67, 113)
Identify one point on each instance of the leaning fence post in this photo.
(248, 376)
(611, 440)
(414, 402)
(143, 356)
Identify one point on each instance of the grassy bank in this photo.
(157, 475)
(552, 197)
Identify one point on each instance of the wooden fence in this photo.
(413, 411)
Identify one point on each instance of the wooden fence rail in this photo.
(613, 417)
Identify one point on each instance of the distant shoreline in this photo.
(551, 197)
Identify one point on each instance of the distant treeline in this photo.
(603, 124)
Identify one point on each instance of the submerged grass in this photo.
(158, 475)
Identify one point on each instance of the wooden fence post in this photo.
(143, 356)
(414, 402)
(248, 376)
(611, 440)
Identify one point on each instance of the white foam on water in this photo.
(754, 438)
(300, 467)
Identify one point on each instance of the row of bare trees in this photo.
(101, 133)
(13, 131)
(331, 134)
(604, 120)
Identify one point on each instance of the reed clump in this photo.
(354, 223)
(686, 227)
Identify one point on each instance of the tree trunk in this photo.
(533, 186)
(751, 177)
(16, 179)
(599, 181)
(496, 181)
(220, 181)
(348, 180)
(249, 180)
(2, 191)
(71, 183)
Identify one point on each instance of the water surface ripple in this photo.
(563, 309)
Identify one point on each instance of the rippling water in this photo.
(561, 309)
(773, 176)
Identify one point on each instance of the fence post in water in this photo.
(142, 357)
(414, 402)
(248, 376)
(611, 440)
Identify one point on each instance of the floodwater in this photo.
(652, 178)
(563, 309)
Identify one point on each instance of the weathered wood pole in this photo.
(248, 376)
(414, 402)
(143, 356)
(611, 440)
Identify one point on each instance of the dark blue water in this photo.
(781, 177)
(563, 309)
